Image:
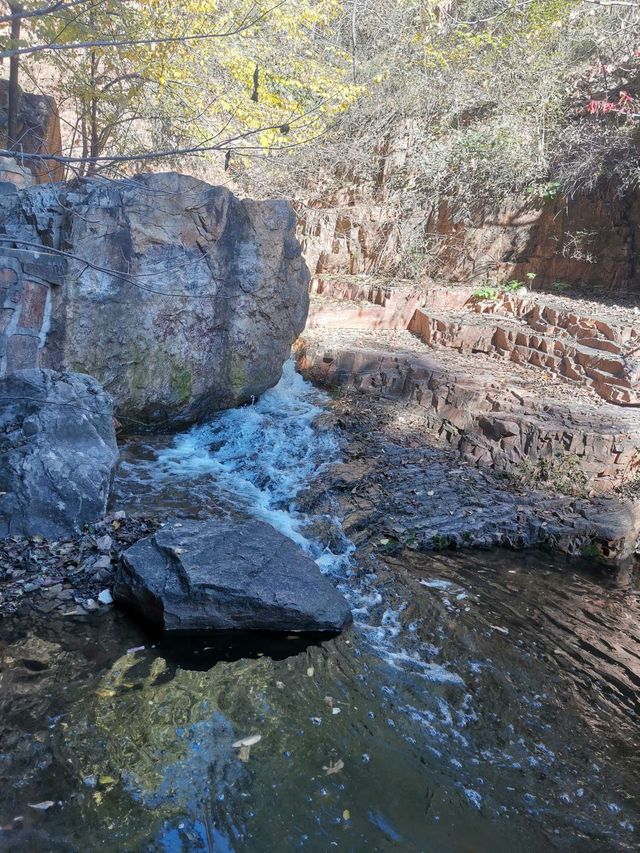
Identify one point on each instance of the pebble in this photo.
(104, 543)
(76, 611)
(102, 575)
(60, 577)
(105, 597)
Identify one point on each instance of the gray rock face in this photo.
(179, 298)
(57, 453)
(223, 575)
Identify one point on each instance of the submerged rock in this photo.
(226, 574)
(57, 453)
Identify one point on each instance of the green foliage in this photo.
(493, 291)
(591, 551)
(486, 97)
(545, 190)
(441, 541)
(464, 109)
(271, 78)
(559, 473)
(486, 292)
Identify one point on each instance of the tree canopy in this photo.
(152, 78)
(494, 96)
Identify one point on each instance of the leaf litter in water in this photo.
(251, 740)
(334, 767)
(244, 745)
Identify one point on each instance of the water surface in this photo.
(482, 702)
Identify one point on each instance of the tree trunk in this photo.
(14, 71)
(94, 146)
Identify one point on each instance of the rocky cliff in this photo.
(588, 242)
(38, 131)
(175, 295)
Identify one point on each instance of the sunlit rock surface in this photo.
(180, 298)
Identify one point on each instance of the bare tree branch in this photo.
(224, 145)
(60, 6)
(613, 3)
(125, 42)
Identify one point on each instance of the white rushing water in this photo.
(259, 459)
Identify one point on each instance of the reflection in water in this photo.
(482, 701)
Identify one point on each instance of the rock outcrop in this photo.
(377, 224)
(227, 575)
(57, 453)
(516, 383)
(179, 298)
(38, 131)
(595, 347)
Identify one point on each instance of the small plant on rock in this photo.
(440, 542)
(559, 473)
(590, 551)
(544, 190)
(486, 292)
(491, 292)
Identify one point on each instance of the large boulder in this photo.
(191, 300)
(224, 575)
(57, 453)
(179, 298)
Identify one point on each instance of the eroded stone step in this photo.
(613, 375)
(348, 314)
(595, 353)
(597, 326)
(494, 414)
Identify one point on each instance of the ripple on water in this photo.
(486, 701)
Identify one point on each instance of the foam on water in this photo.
(260, 457)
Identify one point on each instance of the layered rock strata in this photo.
(537, 388)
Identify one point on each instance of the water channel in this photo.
(482, 701)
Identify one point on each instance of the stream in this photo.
(482, 701)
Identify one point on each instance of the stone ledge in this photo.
(483, 413)
(553, 335)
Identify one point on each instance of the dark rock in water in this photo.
(225, 575)
(57, 453)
